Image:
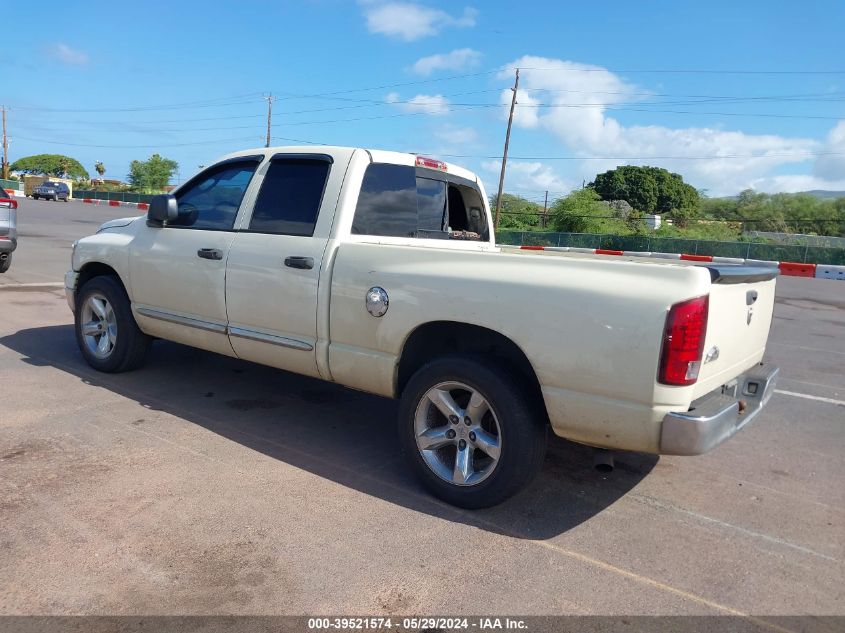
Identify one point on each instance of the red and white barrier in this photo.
(789, 269)
(141, 206)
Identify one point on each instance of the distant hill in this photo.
(821, 193)
(818, 193)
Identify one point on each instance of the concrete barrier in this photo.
(824, 271)
(762, 262)
(794, 269)
(667, 255)
(728, 260)
(697, 258)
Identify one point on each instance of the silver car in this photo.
(8, 230)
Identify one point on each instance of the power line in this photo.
(209, 142)
(211, 103)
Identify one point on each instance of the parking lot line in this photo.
(809, 397)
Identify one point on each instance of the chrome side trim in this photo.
(270, 338)
(181, 320)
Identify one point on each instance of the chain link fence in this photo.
(743, 250)
(122, 196)
(11, 184)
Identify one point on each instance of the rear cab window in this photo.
(411, 202)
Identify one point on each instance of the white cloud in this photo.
(525, 114)
(831, 164)
(529, 177)
(582, 99)
(409, 21)
(426, 104)
(67, 55)
(459, 59)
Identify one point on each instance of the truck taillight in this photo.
(683, 342)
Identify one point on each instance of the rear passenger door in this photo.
(274, 266)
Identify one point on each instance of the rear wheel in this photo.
(106, 332)
(472, 434)
(5, 263)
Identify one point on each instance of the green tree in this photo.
(583, 211)
(518, 214)
(50, 165)
(151, 175)
(100, 168)
(650, 190)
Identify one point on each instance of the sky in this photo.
(731, 95)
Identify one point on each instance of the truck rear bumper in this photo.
(715, 417)
(7, 244)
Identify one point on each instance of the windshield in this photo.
(48, 184)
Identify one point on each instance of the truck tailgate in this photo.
(741, 303)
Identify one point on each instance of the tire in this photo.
(34, 197)
(5, 263)
(103, 312)
(512, 419)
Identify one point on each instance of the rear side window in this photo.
(290, 197)
(387, 204)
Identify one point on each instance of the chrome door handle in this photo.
(305, 263)
(210, 253)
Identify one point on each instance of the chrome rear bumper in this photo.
(720, 414)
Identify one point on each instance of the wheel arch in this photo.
(90, 270)
(439, 338)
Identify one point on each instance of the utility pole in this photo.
(269, 117)
(5, 148)
(505, 155)
(545, 208)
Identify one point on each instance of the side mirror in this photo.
(163, 209)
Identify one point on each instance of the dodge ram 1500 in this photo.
(379, 271)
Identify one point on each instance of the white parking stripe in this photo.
(809, 397)
(48, 284)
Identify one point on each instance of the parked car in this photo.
(51, 191)
(8, 230)
(379, 271)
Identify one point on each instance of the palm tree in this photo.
(100, 168)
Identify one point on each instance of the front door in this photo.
(178, 272)
(273, 271)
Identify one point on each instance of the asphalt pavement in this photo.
(202, 484)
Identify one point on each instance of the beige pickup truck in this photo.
(379, 271)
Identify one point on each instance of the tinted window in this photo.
(290, 197)
(431, 205)
(212, 199)
(387, 204)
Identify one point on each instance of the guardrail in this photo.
(804, 254)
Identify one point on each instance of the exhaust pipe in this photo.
(603, 460)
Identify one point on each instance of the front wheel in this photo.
(5, 263)
(106, 332)
(472, 433)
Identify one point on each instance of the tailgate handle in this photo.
(750, 297)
